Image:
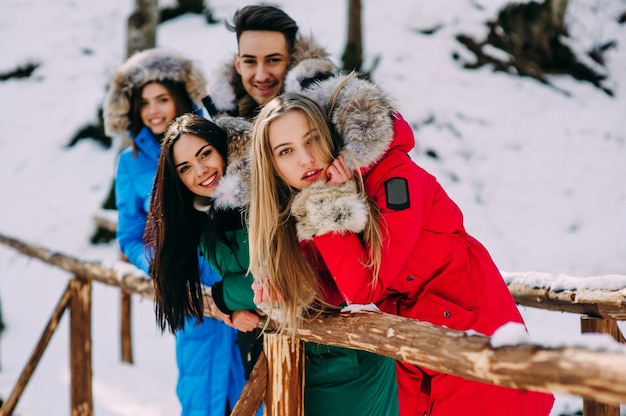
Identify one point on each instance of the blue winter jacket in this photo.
(210, 371)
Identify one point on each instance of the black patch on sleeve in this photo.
(397, 194)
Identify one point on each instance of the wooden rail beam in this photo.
(585, 372)
(609, 304)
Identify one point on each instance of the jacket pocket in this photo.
(440, 310)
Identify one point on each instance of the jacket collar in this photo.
(148, 144)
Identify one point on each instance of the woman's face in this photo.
(157, 107)
(199, 164)
(297, 150)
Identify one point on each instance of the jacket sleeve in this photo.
(345, 255)
(234, 293)
(208, 274)
(131, 216)
(400, 222)
(321, 208)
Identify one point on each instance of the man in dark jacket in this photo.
(272, 58)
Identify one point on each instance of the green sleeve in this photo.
(237, 293)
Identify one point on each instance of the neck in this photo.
(202, 203)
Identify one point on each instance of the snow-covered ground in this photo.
(540, 174)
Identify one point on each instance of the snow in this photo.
(515, 333)
(538, 171)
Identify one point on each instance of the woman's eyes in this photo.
(313, 139)
(206, 153)
(183, 169)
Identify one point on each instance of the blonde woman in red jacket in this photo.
(379, 228)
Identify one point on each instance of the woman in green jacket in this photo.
(201, 190)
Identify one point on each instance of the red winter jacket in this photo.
(433, 271)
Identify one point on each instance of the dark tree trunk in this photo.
(353, 53)
(142, 26)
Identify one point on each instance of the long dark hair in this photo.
(178, 92)
(174, 227)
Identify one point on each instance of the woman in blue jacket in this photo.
(148, 91)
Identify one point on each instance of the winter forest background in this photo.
(536, 162)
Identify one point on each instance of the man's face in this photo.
(262, 63)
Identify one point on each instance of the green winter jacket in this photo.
(338, 381)
(232, 257)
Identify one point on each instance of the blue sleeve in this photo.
(132, 217)
(208, 275)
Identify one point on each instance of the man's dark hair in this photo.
(264, 17)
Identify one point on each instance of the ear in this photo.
(237, 64)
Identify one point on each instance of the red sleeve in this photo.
(345, 254)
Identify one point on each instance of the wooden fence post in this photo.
(126, 327)
(285, 368)
(81, 399)
(590, 324)
(126, 322)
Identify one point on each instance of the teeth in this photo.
(208, 181)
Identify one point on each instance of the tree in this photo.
(353, 53)
(531, 33)
(142, 25)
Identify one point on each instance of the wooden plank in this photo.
(254, 391)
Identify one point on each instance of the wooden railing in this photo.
(598, 376)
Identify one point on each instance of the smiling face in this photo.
(262, 63)
(298, 152)
(158, 108)
(198, 163)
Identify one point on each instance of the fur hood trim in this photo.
(321, 209)
(233, 190)
(309, 61)
(155, 64)
(362, 117)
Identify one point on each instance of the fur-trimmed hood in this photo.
(362, 116)
(233, 190)
(155, 64)
(309, 62)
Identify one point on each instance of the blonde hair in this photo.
(275, 251)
